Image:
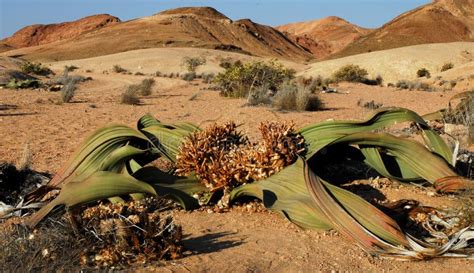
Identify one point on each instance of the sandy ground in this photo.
(229, 242)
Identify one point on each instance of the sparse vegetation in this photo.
(315, 84)
(70, 68)
(68, 90)
(240, 79)
(260, 96)
(291, 97)
(190, 76)
(447, 66)
(372, 105)
(423, 72)
(139, 74)
(35, 68)
(118, 69)
(145, 87)
(130, 96)
(23, 84)
(350, 73)
(413, 85)
(208, 77)
(192, 63)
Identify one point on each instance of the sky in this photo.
(15, 14)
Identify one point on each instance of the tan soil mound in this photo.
(325, 36)
(403, 63)
(439, 22)
(184, 27)
(43, 34)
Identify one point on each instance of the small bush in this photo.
(350, 73)
(208, 78)
(118, 69)
(315, 84)
(68, 91)
(159, 74)
(145, 87)
(372, 105)
(260, 96)
(70, 68)
(22, 84)
(453, 83)
(189, 76)
(192, 63)
(292, 97)
(139, 74)
(130, 95)
(240, 79)
(447, 66)
(35, 68)
(423, 72)
(404, 84)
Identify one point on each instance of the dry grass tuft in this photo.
(130, 95)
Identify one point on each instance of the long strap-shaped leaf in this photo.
(416, 157)
(321, 134)
(98, 186)
(96, 149)
(286, 193)
(180, 189)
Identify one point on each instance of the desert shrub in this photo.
(189, 76)
(453, 83)
(416, 85)
(130, 96)
(171, 75)
(118, 69)
(350, 73)
(35, 68)
(192, 63)
(447, 66)
(22, 84)
(70, 68)
(139, 74)
(372, 105)
(240, 79)
(228, 62)
(145, 87)
(159, 74)
(315, 84)
(292, 97)
(208, 77)
(423, 72)
(260, 96)
(67, 91)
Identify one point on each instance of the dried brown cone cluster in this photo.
(208, 154)
(134, 232)
(220, 163)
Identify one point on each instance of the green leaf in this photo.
(180, 189)
(286, 193)
(98, 186)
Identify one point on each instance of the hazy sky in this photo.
(15, 14)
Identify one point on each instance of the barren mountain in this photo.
(325, 36)
(184, 27)
(43, 34)
(438, 22)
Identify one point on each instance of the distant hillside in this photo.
(43, 34)
(439, 22)
(325, 36)
(183, 27)
(403, 63)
